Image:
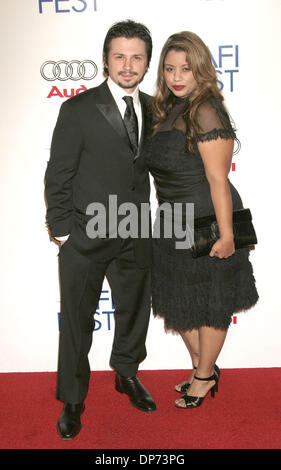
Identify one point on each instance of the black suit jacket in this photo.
(91, 158)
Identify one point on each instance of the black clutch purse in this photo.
(206, 232)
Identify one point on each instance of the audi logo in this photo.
(73, 70)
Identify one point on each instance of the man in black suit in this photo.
(95, 154)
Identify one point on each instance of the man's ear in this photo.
(105, 66)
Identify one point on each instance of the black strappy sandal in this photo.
(194, 402)
(186, 385)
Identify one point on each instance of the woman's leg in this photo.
(211, 341)
(191, 341)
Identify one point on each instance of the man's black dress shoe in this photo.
(69, 424)
(140, 398)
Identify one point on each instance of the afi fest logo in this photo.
(226, 63)
(66, 6)
(104, 315)
(103, 319)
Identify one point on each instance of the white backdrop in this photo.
(244, 39)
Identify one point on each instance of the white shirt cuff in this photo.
(61, 239)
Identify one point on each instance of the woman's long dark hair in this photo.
(200, 62)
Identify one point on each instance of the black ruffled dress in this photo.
(189, 293)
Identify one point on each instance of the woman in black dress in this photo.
(189, 156)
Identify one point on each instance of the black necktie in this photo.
(131, 123)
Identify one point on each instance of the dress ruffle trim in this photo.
(206, 292)
(214, 134)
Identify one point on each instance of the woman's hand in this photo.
(223, 248)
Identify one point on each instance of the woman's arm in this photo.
(217, 156)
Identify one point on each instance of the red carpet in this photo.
(244, 415)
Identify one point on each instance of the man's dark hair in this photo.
(127, 29)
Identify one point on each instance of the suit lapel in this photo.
(109, 109)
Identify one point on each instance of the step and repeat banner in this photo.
(52, 50)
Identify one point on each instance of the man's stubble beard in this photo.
(133, 85)
(127, 87)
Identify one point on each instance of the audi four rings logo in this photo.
(73, 70)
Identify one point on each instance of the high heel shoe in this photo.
(186, 385)
(194, 402)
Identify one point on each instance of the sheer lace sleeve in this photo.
(214, 122)
(212, 119)
(175, 119)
